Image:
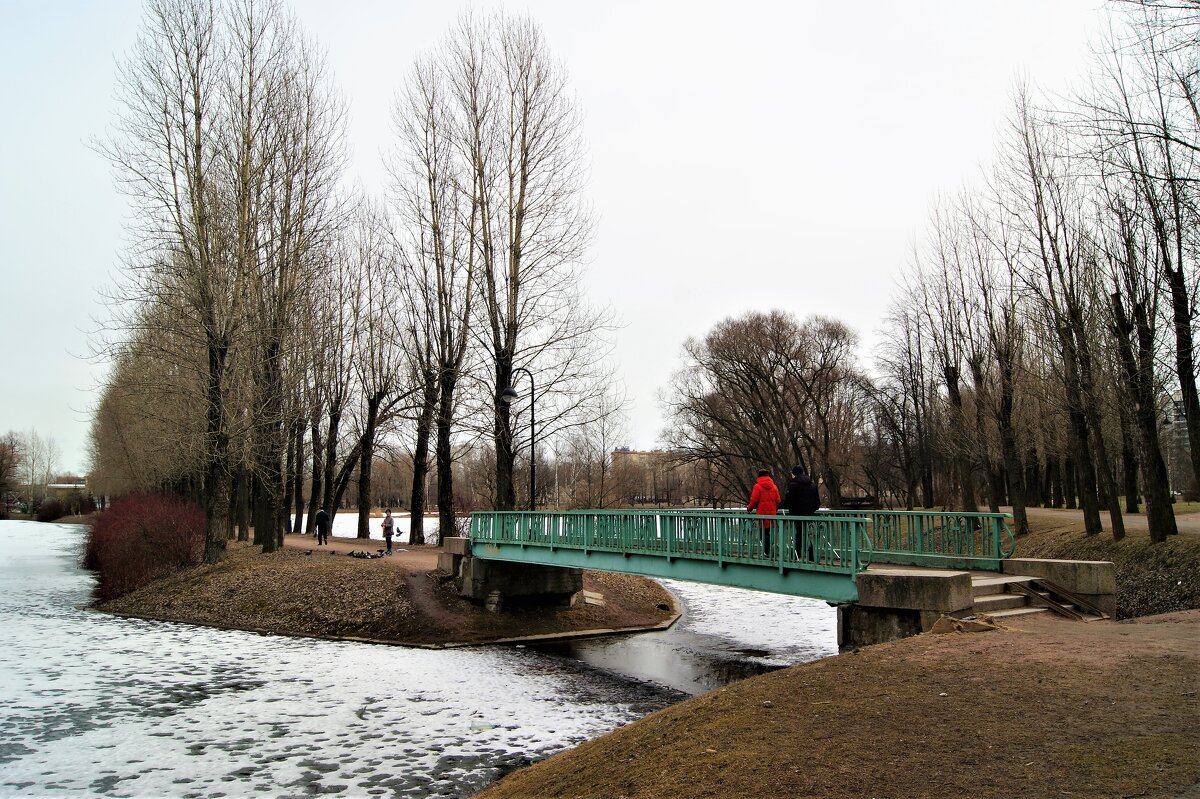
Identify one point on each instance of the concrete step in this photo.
(984, 586)
(990, 603)
(1001, 614)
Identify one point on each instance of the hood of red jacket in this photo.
(765, 481)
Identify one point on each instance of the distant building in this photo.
(1176, 446)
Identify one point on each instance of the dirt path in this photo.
(411, 558)
(1188, 523)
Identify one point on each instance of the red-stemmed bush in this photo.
(141, 538)
(50, 509)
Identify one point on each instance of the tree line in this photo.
(1041, 348)
(277, 334)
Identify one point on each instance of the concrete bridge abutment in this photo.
(897, 603)
(495, 583)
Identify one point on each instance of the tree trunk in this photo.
(298, 519)
(216, 473)
(318, 469)
(1129, 464)
(1185, 364)
(366, 454)
(1081, 450)
(420, 473)
(242, 504)
(1008, 449)
(421, 462)
(271, 435)
(445, 464)
(328, 501)
(1103, 462)
(506, 498)
(289, 480)
(342, 480)
(235, 488)
(1070, 479)
(961, 467)
(1034, 491)
(262, 513)
(1139, 374)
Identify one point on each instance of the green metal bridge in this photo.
(814, 556)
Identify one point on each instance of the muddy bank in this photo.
(322, 592)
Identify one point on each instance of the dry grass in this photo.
(386, 599)
(1048, 708)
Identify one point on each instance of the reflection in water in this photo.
(92, 704)
(726, 634)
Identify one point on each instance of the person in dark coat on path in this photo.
(764, 499)
(322, 520)
(388, 525)
(802, 499)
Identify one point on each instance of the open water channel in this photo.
(95, 705)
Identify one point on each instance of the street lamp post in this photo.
(507, 396)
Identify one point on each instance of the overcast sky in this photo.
(744, 156)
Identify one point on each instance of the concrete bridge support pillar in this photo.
(897, 603)
(496, 582)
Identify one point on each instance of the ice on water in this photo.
(91, 704)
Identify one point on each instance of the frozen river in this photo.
(92, 704)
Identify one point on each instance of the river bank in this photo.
(321, 592)
(1043, 707)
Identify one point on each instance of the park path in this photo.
(1188, 523)
(410, 558)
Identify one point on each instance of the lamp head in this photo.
(508, 395)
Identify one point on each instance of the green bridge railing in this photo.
(936, 538)
(831, 544)
(816, 556)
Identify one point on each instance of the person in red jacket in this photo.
(764, 499)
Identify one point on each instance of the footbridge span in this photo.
(890, 573)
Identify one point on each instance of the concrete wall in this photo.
(480, 579)
(1092, 580)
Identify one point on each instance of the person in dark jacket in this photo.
(389, 525)
(322, 520)
(802, 499)
(764, 499)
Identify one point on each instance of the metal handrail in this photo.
(962, 536)
(824, 543)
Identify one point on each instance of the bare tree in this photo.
(1063, 277)
(1144, 112)
(39, 460)
(10, 461)
(520, 133)
(443, 219)
(764, 391)
(228, 146)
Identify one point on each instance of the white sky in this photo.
(743, 156)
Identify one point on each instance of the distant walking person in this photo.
(764, 498)
(322, 520)
(802, 499)
(389, 525)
